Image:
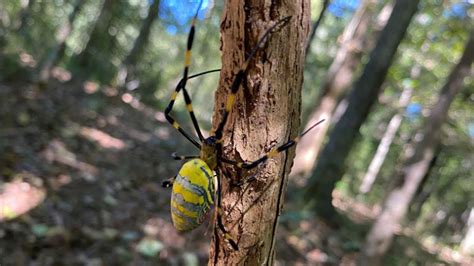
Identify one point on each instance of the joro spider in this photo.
(193, 189)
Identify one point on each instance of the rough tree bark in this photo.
(331, 165)
(266, 114)
(354, 41)
(417, 163)
(389, 135)
(138, 46)
(57, 53)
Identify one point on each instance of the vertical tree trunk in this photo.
(139, 45)
(4, 25)
(57, 53)
(415, 166)
(339, 77)
(315, 25)
(330, 168)
(387, 139)
(101, 27)
(467, 244)
(266, 114)
(24, 14)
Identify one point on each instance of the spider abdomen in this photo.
(192, 195)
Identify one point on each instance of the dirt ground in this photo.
(85, 165)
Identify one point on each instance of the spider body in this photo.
(192, 195)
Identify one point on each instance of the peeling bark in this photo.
(266, 114)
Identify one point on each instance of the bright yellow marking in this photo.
(188, 196)
(193, 170)
(174, 95)
(187, 58)
(189, 107)
(175, 125)
(230, 102)
(183, 210)
(272, 153)
(179, 223)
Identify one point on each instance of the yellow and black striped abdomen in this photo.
(192, 195)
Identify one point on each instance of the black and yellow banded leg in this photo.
(182, 85)
(226, 234)
(240, 75)
(272, 153)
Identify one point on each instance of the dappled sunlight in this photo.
(103, 139)
(148, 111)
(27, 60)
(19, 197)
(90, 87)
(56, 151)
(61, 74)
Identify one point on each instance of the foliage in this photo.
(435, 41)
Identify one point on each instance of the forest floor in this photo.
(85, 165)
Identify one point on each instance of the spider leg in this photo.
(241, 73)
(272, 153)
(182, 85)
(219, 212)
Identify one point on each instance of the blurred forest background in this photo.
(84, 144)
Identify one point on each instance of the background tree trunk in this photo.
(266, 114)
(101, 27)
(354, 41)
(330, 168)
(57, 53)
(467, 244)
(139, 45)
(414, 168)
(389, 135)
(316, 24)
(24, 14)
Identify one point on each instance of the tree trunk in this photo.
(467, 244)
(387, 139)
(4, 25)
(330, 168)
(339, 77)
(415, 166)
(315, 25)
(139, 45)
(24, 14)
(266, 114)
(101, 27)
(57, 53)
